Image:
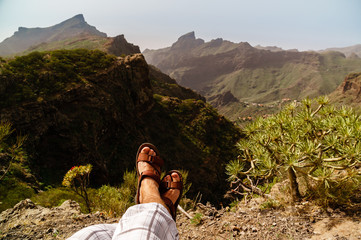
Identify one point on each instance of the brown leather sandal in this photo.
(153, 161)
(166, 185)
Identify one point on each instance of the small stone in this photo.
(236, 228)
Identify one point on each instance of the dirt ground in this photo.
(244, 221)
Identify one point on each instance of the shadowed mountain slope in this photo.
(82, 106)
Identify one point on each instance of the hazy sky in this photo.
(302, 24)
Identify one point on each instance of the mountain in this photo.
(25, 38)
(73, 33)
(259, 79)
(84, 106)
(352, 51)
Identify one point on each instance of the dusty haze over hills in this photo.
(235, 76)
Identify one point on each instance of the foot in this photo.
(145, 166)
(171, 191)
(149, 186)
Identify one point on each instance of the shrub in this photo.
(77, 178)
(13, 191)
(13, 168)
(318, 145)
(116, 200)
(54, 197)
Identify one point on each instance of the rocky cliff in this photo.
(349, 91)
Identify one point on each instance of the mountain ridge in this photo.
(348, 51)
(260, 76)
(25, 38)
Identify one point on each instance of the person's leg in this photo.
(151, 219)
(149, 191)
(95, 232)
(171, 190)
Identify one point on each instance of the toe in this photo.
(145, 150)
(151, 152)
(175, 177)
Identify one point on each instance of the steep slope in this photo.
(27, 37)
(85, 106)
(249, 74)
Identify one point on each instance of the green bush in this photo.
(54, 197)
(315, 145)
(14, 172)
(77, 179)
(12, 192)
(116, 200)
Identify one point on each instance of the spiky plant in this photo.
(309, 140)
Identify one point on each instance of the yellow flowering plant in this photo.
(77, 178)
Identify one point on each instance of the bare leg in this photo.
(149, 190)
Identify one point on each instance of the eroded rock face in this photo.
(119, 46)
(349, 91)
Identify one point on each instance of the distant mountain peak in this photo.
(187, 41)
(74, 20)
(25, 38)
(190, 35)
(79, 17)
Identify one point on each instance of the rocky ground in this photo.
(304, 221)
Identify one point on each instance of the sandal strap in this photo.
(171, 206)
(152, 160)
(172, 185)
(150, 174)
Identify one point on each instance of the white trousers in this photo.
(141, 221)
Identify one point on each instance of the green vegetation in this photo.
(15, 176)
(316, 147)
(80, 106)
(54, 197)
(89, 42)
(197, 219)
(116, 200)
(113, 201)
(40, 75)
(77, 179)
(196, 120)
